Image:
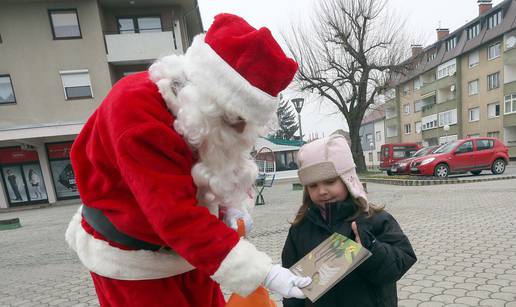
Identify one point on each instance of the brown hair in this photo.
(361, 203)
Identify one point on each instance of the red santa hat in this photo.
(243, 68)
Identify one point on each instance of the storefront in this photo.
(22, 177)
(61, 170)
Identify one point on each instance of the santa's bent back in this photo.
(161, 155)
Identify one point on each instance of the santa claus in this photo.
(160, 157)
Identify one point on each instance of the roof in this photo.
(374, 116)
(278, 144)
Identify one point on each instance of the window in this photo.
(493, 81)
(418, 127)
(451, 43)
(474, 135)
(494, 134)
(65, 24)
(407, 128)
(405, 89)
(6, 90)
(429, 122)
(417, 83)
(473, 87)
(473, 31)
(76, 84)
(474, 58)
(494, 20)
(446, 69)
(465, 147)
(484, 144)
(418, 105)
(135, 24)
(493, 51)
(448, 118)
(369, 138)
(378, 136)
(493, 110)
(510, 103)
(406, 108)
(474, 114)
(430, 56)
(370, 157)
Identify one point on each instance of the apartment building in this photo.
(372, 136)
(464, 85)
(58, 60)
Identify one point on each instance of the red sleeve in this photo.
(155, 163)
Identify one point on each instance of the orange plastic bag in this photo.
(259, 298)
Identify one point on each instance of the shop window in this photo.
(62, 172)
(22, 177)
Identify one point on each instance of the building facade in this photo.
(464, 85)
(372, 136)
(58, 60)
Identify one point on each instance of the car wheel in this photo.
(476, 173)
(441, 171)
(498, 167)
(389, 173)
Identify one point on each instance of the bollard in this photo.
(10, 224)
(364, 185)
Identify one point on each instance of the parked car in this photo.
(468, 155)
(391, 153)
(402, 167)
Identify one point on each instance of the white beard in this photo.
(225, 172)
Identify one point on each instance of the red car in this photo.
(468, 155)
(402, 167)
(392, 153)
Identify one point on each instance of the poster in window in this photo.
(35, 183)
(64, 179)
(15, 186)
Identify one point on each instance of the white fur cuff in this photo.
(109, 261)
(243, 269)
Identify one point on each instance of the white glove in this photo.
(232, 215)
(286, 283)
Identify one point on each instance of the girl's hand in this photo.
(363, 236)
(355, 230)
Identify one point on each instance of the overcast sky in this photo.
(422, 18)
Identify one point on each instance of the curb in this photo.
(10, 224)
(409, 182)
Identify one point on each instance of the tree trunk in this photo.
(356, 147)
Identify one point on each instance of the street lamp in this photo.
(298, 105)
(446, 128)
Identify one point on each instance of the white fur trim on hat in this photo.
(109, 261)
(232, 92)
(243, 269)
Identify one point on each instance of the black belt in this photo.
(96, 219)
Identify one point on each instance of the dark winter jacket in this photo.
(373, 283)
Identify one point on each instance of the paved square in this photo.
(463, 236)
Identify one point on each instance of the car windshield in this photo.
(447, 147)
(423, 151)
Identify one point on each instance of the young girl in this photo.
(335, 201)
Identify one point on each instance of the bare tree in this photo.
(347, 56)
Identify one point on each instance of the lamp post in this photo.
(298, 105)
(446, 128)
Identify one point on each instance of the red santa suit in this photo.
(134, 166)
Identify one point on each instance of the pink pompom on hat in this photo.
(244, 68)
(328, 158)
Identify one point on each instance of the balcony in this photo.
(139, 48)
(439, 107)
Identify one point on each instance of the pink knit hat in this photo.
(328, 158)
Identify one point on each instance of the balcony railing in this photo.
(143, 47)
